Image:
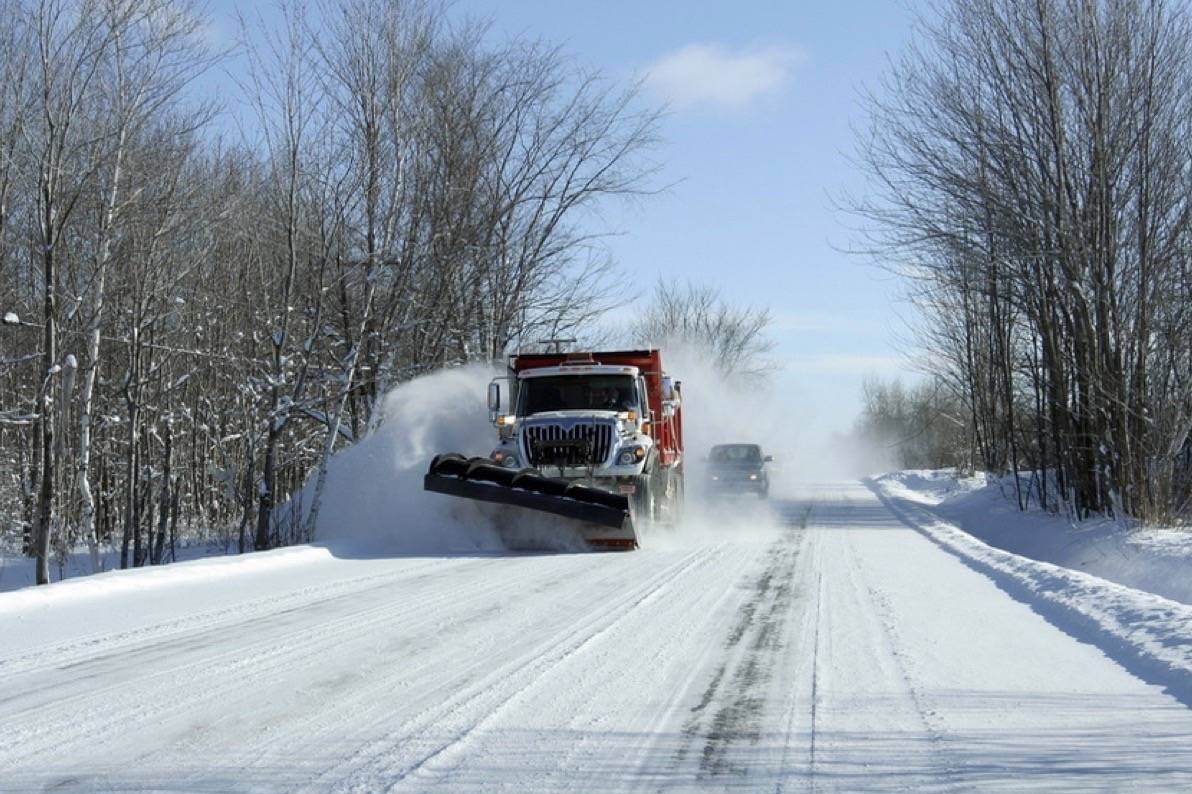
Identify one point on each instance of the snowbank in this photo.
(141, 581)
(18, 571)
(1156, 560)
(1147, 633)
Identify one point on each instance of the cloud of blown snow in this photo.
(374, 497)
(717, 410)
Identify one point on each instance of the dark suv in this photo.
(738, 468)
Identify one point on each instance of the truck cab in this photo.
(607, 419)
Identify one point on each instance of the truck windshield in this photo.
(578, 393)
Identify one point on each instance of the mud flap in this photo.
(480, 478)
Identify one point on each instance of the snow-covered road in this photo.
(839, 650)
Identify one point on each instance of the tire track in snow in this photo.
(105, 713)
(730, 710)
(368, 698)
(815, 695)
(880, 613)
(927, 712)
(81, 650)
(655, 653)
(803, 675)
(389, 764)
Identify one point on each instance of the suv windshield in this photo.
(736, 453)
(578, 393)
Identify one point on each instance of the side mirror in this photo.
(494, 401)
(768, 459)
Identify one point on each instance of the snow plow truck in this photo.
(596, 438)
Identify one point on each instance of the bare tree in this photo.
(698, 317)
(1031, 159)
(289, 101)
(156, 50)
(70, 41)
(921, 427)
(407, 195)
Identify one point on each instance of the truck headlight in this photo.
(630, 455)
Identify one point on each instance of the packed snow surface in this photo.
(835, 641)
(911, 633)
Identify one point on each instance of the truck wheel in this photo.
(670, 508)
(644, 497)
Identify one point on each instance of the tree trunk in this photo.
(45, 494)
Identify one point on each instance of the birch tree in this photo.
(70, 42)
(156, 51)
(288, 100)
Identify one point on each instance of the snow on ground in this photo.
(837, 638)
(1145, 631)
(17, 570)
(824, 647)
(1155, 559)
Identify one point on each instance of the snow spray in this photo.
(717, 410)
(374, 501)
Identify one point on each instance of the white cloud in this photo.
(711, 74)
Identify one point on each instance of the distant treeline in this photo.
(191, 323)
(1034, 168)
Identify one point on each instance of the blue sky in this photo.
(763, 96)
(763, 99)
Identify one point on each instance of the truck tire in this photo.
(645, 497)
(677, 495)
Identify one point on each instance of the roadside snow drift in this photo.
(1155, 559)
(1148, 634)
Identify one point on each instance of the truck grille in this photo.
(576, 445)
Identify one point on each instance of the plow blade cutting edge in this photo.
(480, 478)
